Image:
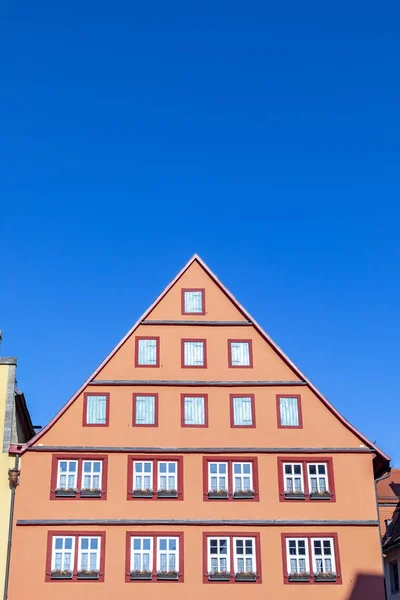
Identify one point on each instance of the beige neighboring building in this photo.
(15, 427)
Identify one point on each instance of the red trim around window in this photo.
(84, 416)
(155, 459)
(188, 395)
(79, 458)
(278, 412)
(248, 534)
(304, 460)
(203, 301)
(334, 536)
(76, 535)
(232, 414)
(143, 337)
(231, 459)
(204, 365)
(154, 535)
(155, 424)
(230, 365)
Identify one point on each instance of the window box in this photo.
(167, 575)
(295, 496)
(219, 576)
(141, 575)
(299, 577)
(66, 492)
(244, 494)
(167, 494)
(90, 493)
(218, 494)
(324, 576)
(320, 495)
(88, 574)
(142, 493)
(57, 574)
(246, 576)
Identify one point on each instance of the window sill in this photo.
(142, 494)
(91, 493)
(320, 496)
(294, 579)
(294, 496)
(243, 496)
(215, 577)
(216, 496)
(166, 494)
(320, 579)
(244, 577)
(66, 494)
(142, 576)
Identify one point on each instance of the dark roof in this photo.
(391, 539)
(389, 489)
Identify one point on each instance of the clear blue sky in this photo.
(262, 135)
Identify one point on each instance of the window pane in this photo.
(147, 352)
(145, 410)
(193, 302)
(194, 413)
(240, 354)
(242, 411)
(193, 354)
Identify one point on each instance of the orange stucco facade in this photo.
(348, 516)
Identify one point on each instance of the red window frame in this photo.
(146, 337)
(84, 416)
(232, 413)
(155, 459)
(305, 460)
(203, 293)
(230, 535)
(230, 460)
(249, 366)
(79, 458)
(76, 535)
(204, 365)
(299, 408)
(188, 395)
(155, 424)
(154, 535)
(309, 536)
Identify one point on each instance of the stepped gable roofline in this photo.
(381, 459)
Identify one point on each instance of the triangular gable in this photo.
(249, 318)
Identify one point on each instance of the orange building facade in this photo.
(197, 456)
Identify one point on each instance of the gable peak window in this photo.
(194, 411)
(96, 409)
(242, 411)
(240, 353)
(147, 352)
(193, 301)
(194, 353)
(289, 411)
(145, 409)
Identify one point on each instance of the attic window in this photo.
(193, 301)
(96, 410)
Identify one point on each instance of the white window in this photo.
(240, 354)
(145, 410)
(194, 410)
(141, 554)
(96, 410)
(242, 411)
(91, 474)
(193, 354)
(67, 474)
(167, 475)
(289, 412)
(193, 302)
(293, 477)
(317, 477)
(167, 554)
(323, 558)
(244, 555)
(62, 557)
(147, 352)
(143, 475)
(89, 553)
(218, 555)
(297, 555)
(217, 476)
(242, 476)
